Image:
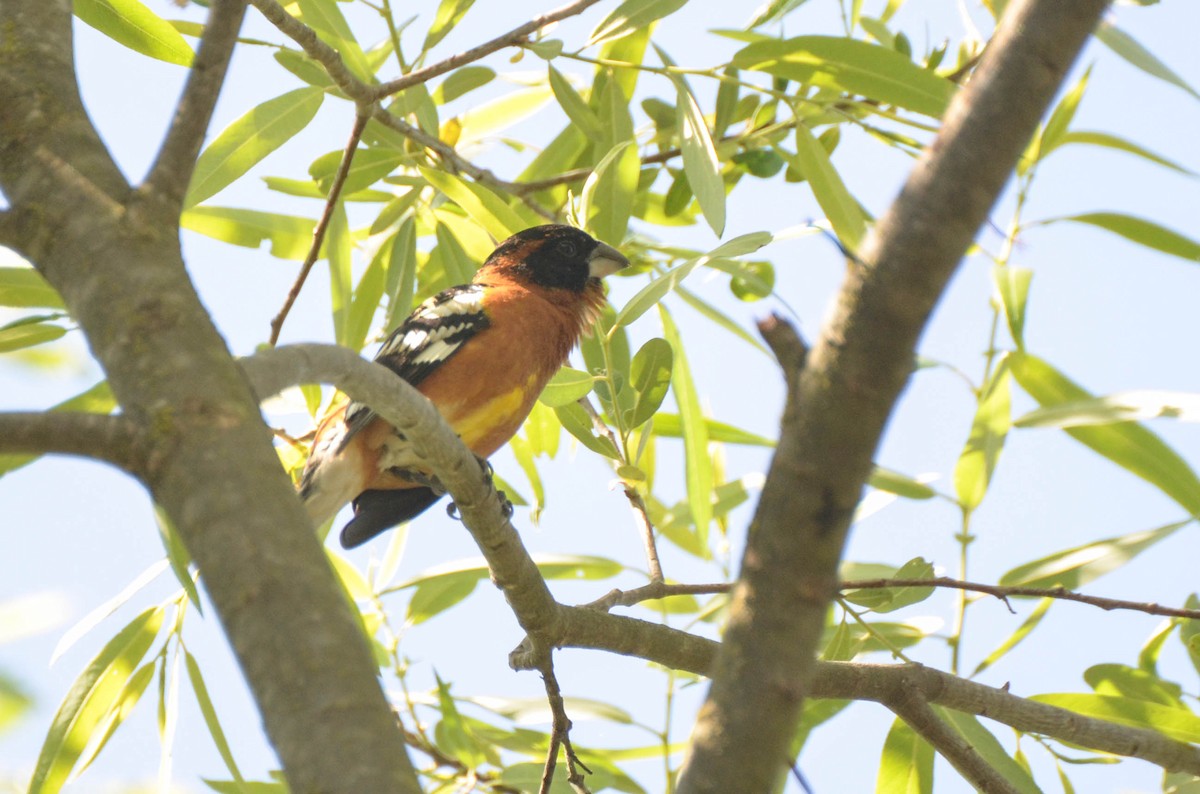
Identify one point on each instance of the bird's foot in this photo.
(421, 478)
(486, 467)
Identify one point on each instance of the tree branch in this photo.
(836, 413)
(172, 169)
(112, 439)
(1004, 592)
(316, 49)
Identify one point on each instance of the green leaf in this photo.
(567, 386)
(1012, 284)
(578, 423)
(841, 208)
(700, 161)
(339, 249)
(24, 288)
(324, 17)
(1128, 48)
(670, 426)
(1120, 144)
(25, 333)
(121, 707)
(608, 192)
(367, 168)
(1129, 406)
(449, 14)
(1129, 445)
(1060, 120)
(906, 766)
(992, 752)
(993, 418)
(574, 105)
(1024, 630)
(719, 318)
(543, 431)
(439, 594)
(1073, 568)
(889, 599)
(451, 733)
(401, 274)
(697, 463)
(367, 297)
(210, 717)
(1171, 721)
(650, 376)
(1142, 232)
(1123, 681)
(491, 117)
(290, 236)
(132, 24)
(103, 610)
(177, 556)
(900, 484)
(97, 690)
(854, 67)
(485, 207)
(245, 142)
(462, 81)
(631, 16)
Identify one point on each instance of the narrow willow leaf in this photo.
(522, 451)
(1129, 445)
(855, 67)
(366, 299)
(102, 611)
(485, 207)
(1176, 723)
(670, 426)
(1132, 51)
(339, 249)
(1024, 630)
(552, 566)
(132, 24)
(1124, 681)
(1148, 655)
(451, 733)
(719, 318)
(567, 386)
(1123, 145)
(449, 14)
(578, 423)
(1064, 113)
(210, 717)
(650, 376)
(177, 556)
(462, 81)
(435, 596)
(700, 161)
(1012, 284)
(130, 694)
(993, 418)
(24, 288)
(889, 599)
(990, 750)
(324, 17)
(492, 117)
(831, 193)
(1075, 567)
(906, 766)
(574, 105)
(900, 484)
(367, 168)
(632, 16)
(21, 335)
(1142, 232)
(1129, 406)
(92, 695)
(697, 463)
(401, 274)
(609, 191)
(248, 140)
(290, 236)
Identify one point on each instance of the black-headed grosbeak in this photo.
(482, 353)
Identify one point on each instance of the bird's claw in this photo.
(452, 511)
(486, 466)
(421, 478)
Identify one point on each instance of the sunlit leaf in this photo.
(1123, 681)
(1132, 51)
(339, 249)
(1024, 630)
(1120, 144)
(1171, 721)
(700, 161)
(132, 24)
(462, 81)
(578, 423)
(993, 418)
(1012, 284)
(669, 426)
(290, 236)
(245, 142)
(608, 192)
(567, 386)
(484, 206)
(91, 697)
(103, 610)
(1129, 406)
(906, 766)
(697, 463)
(24, 334)
(855, 67)
(1129, 445)
(324, 17)
(632, 16)
(1142, 232)
(889, 599)
(900, 484)
(1075, 567)
(1064, 113)
(574, 105)
(121, 707)
(650, 377)
(24, 288)
(449, 14)
(990, 750)
(831, 193)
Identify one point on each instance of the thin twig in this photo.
(1004, 592)
(509, 39)
(641, 517)
(652, 591)
(316, 49)
(560, 733)
(172, 169)
(912, 707)
(335, 191)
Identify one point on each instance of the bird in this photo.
(481, 353)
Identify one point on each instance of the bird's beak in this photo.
(605, 260)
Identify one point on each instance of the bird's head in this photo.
(554, 257)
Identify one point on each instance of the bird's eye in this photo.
(567, 248)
